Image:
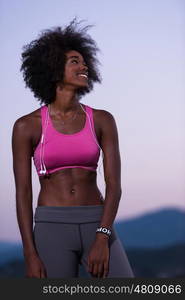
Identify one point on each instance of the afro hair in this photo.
(43, 60)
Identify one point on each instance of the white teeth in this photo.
(83, 75)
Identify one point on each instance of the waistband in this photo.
(68, 214)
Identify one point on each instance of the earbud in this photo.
(42, 171)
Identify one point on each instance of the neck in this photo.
(65, 101)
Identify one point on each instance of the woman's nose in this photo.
(84, 67)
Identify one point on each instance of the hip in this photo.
(68, 214)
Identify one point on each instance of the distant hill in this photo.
(154, 230)
(166, 262)
(160, 263)
(11, 259)
(154, 243)
(10, 251)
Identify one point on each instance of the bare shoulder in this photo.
(102, 113)
(104, 118)
(27, 130)
(28, 121)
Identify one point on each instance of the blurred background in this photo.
(142, 45)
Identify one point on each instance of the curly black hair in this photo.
(43, 60)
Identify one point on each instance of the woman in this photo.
(73, 223)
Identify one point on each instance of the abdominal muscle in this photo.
(70, 187)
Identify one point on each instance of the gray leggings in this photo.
(63, 236)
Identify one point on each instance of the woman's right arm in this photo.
(22, 154)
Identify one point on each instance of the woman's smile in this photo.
(82, 76)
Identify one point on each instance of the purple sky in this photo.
(143, 68)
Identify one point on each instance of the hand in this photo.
(35, 267)
(98, 258)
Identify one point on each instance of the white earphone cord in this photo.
(42, 164)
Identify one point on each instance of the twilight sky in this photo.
(142, 58)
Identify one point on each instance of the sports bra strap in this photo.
(89, 113)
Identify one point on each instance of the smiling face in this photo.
(76, 70)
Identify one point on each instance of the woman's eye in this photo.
(74, 60)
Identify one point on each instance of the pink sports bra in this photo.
(57, 151)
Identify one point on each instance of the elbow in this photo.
(114, 188)
(23, 193)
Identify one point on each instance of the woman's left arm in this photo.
(99, 254)
(112, 169)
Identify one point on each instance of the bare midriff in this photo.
(70, 187)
